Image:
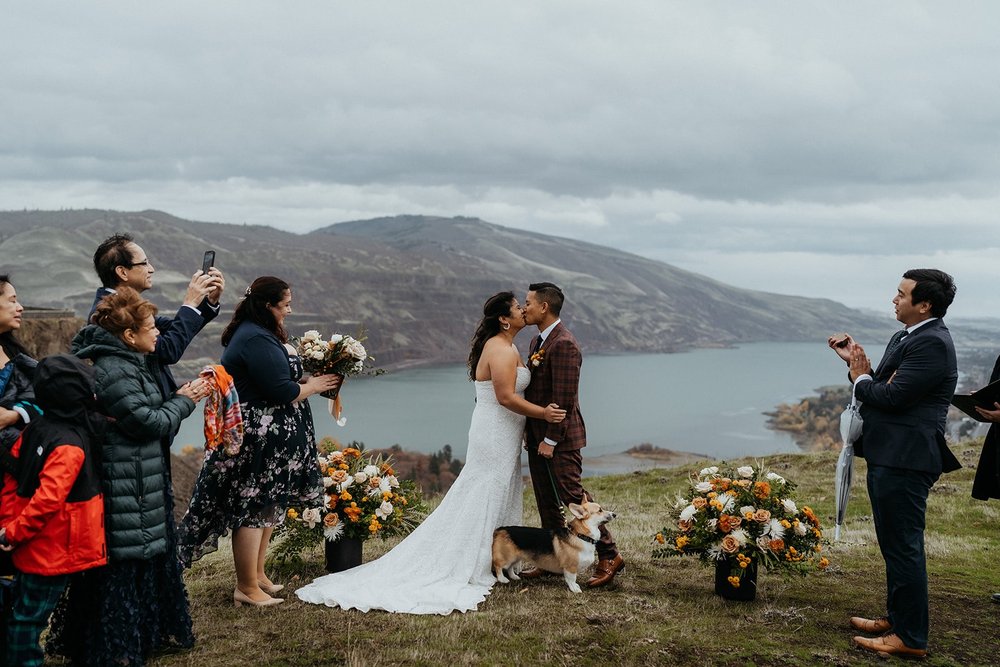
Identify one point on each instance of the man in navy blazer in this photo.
(120, 261)
(905, 402)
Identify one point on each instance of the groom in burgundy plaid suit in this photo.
(554, 456)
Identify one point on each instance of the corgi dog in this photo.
(567, 550)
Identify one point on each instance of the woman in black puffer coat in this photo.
(136, 605)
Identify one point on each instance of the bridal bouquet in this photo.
(362, 499)
(741, 516)
(342, 354)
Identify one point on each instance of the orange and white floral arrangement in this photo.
(743, 516)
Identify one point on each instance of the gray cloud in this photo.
(805, 148)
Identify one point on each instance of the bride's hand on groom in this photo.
(553, 414)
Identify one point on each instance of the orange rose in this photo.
(728, 522)
(685, 526)
(776, 545)
(331, 520)
(761, 490)
(730, 545)
(338, 476)
(761, 516)
(699, 503)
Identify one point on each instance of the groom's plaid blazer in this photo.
(556, 379)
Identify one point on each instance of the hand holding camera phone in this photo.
(208, 261)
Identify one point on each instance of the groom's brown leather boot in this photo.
(605, 571)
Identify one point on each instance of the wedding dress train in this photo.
(445, 564)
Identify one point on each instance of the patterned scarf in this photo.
(223, 418)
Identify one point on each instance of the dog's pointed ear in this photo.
(586, 499)
(577, 510)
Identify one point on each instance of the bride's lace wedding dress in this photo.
(445, 564)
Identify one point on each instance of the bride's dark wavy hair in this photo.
(496, 306)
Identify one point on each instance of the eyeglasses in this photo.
(144, 262)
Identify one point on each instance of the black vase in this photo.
(343, 554)
(748, 582)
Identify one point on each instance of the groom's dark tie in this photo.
(536, 343)
(894, 342)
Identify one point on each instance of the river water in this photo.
(709, 402)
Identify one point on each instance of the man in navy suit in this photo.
(121, 262)
(905, 401)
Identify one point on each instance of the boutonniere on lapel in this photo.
(537, 358)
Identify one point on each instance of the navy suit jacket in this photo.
(906, 403)
(176, 334)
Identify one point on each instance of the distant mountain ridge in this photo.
(417, 283)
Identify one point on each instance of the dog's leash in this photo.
(555, 490)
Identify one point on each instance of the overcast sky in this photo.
(810, 148)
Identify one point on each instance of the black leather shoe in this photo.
(996, 597)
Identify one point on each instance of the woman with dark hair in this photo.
(17, 408)
(445, 564)
(277, 464)
(136, 605)
(17, 369)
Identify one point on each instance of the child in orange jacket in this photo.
(52, 511)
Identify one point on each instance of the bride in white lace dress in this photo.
(444, 565)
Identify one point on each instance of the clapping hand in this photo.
(841, 344)
(857, 361)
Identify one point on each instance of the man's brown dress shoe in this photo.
(605, 571)
(890, 644)
(873, 626)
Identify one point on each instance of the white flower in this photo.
(393, 482)
(740, 536)
(385, 485)
(357, 350)
(774, 529)
(358, 366)
(712, 523)
(800, 529)
(333, 533)
(310, 335)
(370, 470)
(745, 472)
(747, 508)
(703, 487)
(762, 542)
(360, 477)
(384, 510)
(789, 505)
(727, 501)
(346, 484)
(708, 471)
(775, 477)
(311, 516)
(317, 355)
(327, 482)
(336, 338)
(688, 513)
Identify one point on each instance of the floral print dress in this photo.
(276, 466)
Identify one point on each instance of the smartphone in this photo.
(208, 261)
(842, 343)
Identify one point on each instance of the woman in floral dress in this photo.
(277, 463)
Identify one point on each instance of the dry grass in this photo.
(659, 612)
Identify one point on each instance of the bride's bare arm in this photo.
(502, 363)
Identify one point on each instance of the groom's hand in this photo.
(545, 450)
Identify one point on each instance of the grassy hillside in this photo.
(659, 613)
